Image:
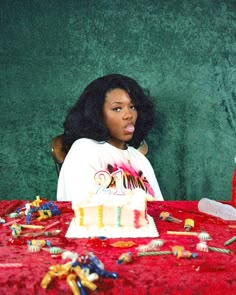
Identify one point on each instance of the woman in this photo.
(101, 133)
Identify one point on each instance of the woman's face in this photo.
(120, 115)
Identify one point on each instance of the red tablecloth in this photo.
(209, 273)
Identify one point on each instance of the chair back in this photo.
(143, 148)
(58, 154)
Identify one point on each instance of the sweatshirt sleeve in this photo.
(76, 178)
(153, 182)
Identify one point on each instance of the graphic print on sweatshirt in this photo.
(131, 178)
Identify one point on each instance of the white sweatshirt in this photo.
(91, 166)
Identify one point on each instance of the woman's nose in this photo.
(128, 114)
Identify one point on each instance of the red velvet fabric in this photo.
(209, 273)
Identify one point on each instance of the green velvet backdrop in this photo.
(184, 52)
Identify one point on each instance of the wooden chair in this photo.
(58, 154)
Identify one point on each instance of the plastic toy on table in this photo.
(188, 224)
(16, 229)
(40, 243)
(45, 211)
(78, 272)
(72, 274)
(26, 207)
(39, 207)
(180, 252)
(166, 216)
(95, 265)
(125, 258)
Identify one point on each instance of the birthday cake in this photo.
(112, 215)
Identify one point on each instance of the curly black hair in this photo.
(85, 118)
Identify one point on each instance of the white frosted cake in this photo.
(112, 215)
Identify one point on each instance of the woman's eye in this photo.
(118, 109)
(133, 108)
